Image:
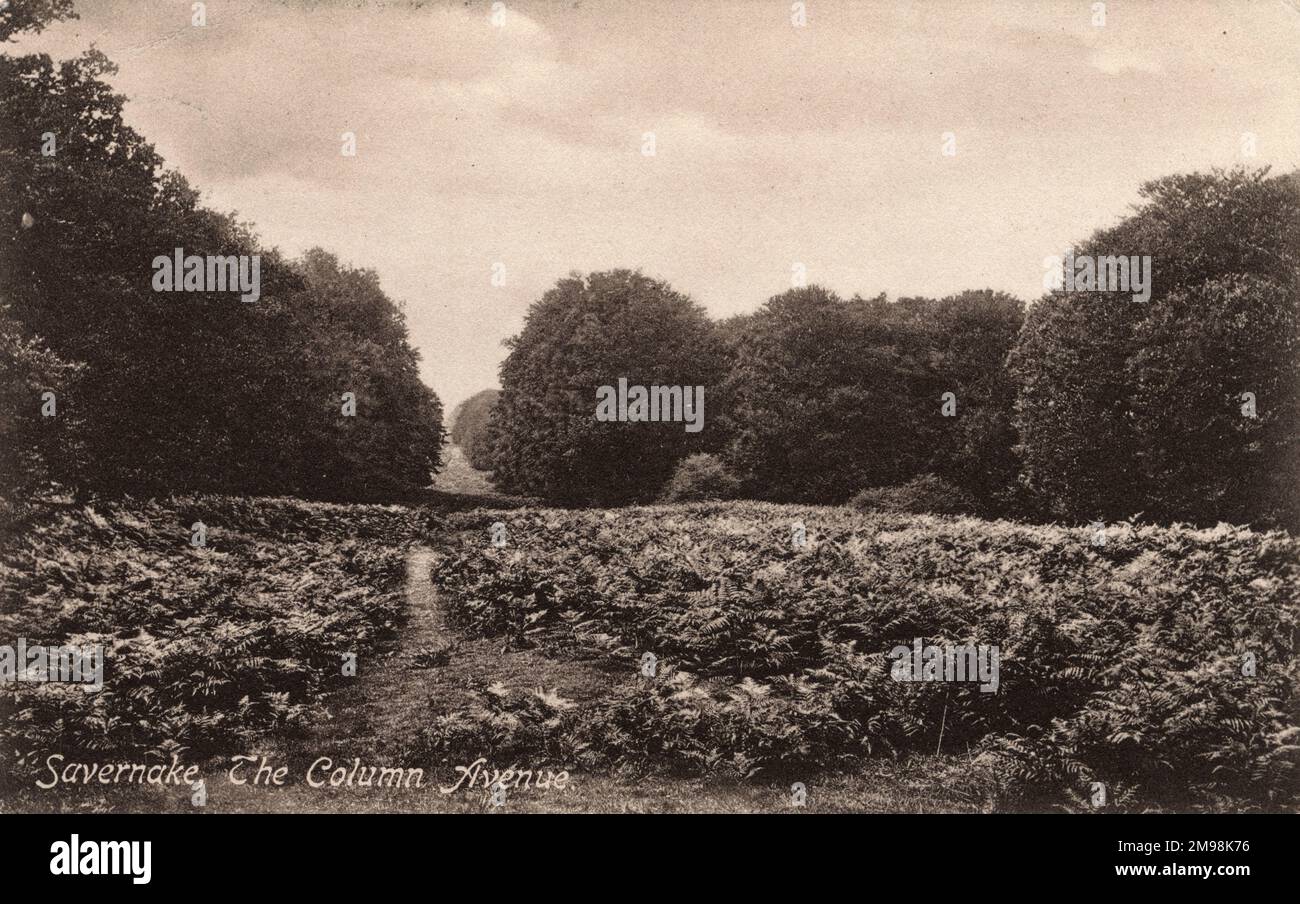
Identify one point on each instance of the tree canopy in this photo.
(469, 427)
(1127, 407)
(584, 333)
(189, 391)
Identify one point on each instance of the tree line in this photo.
(109, 386)
(1082, 405)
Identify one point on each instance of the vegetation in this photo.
(825, 396)
(1124, 663)
(469, 427)
(1161, 663)
(1127, 407)
(701, 478)
(585, 333)
(167, 392)
(924, 495)
(206, 648)
(1184, 407)
(27, 372)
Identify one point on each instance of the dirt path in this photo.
(394, 693)
(367, 720)
(426, 623)
(459, 476)
(390, 696)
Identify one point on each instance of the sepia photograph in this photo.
(886, 408)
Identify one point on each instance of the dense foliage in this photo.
(818, 396)
(207, 648)
(32, 15)
(827, 396)
(1128, 407)
(818, 401)
(1183, 407)
(469, 427)
(924, 495)
(585, 333)
(959, 344)
(1124, 663)
(31, 448)
(193, 390)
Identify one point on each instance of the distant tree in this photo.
(819, 403)
(1126, 407)
(959, 345)
(32, 15)
(584, 333)
(469, 427)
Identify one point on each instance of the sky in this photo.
(511, 142)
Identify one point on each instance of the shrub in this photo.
(700, 478)
(922, 495)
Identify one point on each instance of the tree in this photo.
(350, 338)
(819, 402)
(1126, 407)
(469, 427)
(826, 397)
(585, 333)
(32, 15)
(193, 390)
(32, 435)
(959, 345)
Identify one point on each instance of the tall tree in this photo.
(1126, 406)
(959, 345)
(585, 333)
(818, 400)
(190, 390)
